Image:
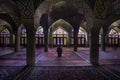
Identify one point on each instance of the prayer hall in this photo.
(59, 39)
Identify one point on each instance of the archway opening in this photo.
(39, 37)
(60, 37)
(114, 37)
(4, 37)
(60, 33)
(82, 37)
(23, 37)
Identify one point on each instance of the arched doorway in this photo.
(5, 38)
(23, 37)
(39, 37)
(82, 37)
(60, 37)
(114, 37)
(60, 33)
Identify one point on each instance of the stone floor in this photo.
(13, 63)
(104, 72)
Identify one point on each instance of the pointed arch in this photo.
(61, 23)
(39, 30)
(59, 29)
(4, 24)
(9, 19)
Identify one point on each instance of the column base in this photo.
(30, 61)
(46, 50)
(94, 63)
(75, 49)
(30, 65)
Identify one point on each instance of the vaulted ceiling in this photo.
(19, 9)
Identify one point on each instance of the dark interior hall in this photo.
(88, 31)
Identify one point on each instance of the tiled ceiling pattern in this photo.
(9, 7)
(26, 8)
(114, 8)
(82, 6)
(101, 7)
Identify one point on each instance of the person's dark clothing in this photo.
(59, 51)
